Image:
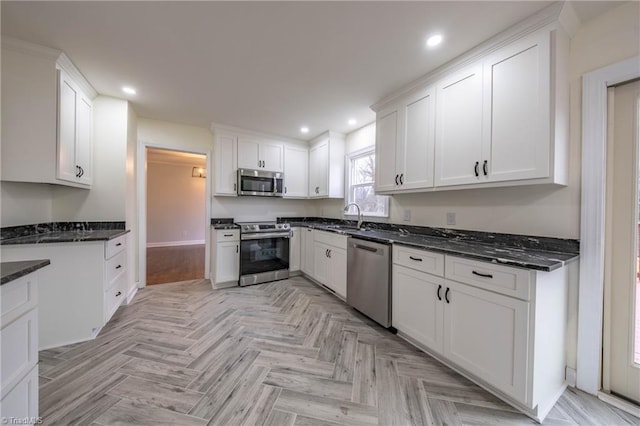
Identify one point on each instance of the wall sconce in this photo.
(200, 172)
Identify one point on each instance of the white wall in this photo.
(106, 199)
(131, 209)
(25, 203)
(175, 205)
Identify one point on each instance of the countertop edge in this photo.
(30, 266)
(25, 240)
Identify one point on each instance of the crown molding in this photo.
(65, 63)
(216, 127)
(548, 17)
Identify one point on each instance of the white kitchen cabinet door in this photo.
(84, 140)
(227, 261)
(226, 164)
(67, 99)
(321, 264)
(296, 172)
(295, 249)
(338, 270)
(516, 110)
(248, 153)
(272, 156)
(459, 128)
(22, 401)
(307, 253)
(319, 169)
(487, 334)
(417, 150)
(417, 306)
(387, 138)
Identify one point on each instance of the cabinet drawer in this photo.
(115, 246)
(115, 267)
(227, 235)
(331, 239)
(512, 282)
(18, 297)
(21, 401)
(113, 299)
(420, 260)
(19, 342)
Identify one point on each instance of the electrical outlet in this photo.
(407, 215)
(451, 218)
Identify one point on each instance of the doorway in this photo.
(621, 344)
(175, 214)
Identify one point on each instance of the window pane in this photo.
(362, 168)
(368, 201)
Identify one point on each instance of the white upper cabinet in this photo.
(257, 154)
(326, 166)
(498, 117)
(517, 88)
(47, 117)
(459, 128)
(296, 171)
(405, 136)
(226, 163)
(75, 132)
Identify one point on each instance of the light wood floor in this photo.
(282, 353)
(174, 264)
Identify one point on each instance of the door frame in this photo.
(592, 224)
(141, 167)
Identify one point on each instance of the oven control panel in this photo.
(264, 227)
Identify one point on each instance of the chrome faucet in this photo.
(346, 208)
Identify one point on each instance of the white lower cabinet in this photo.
(307, 254)
(416, 308)
(19, 349)
(330, 261)
(225, 257)
(94, 272)
(501, 326)
(294, 249)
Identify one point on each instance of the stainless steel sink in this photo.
(344, 227)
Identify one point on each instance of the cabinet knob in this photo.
(475, 169)
(118, 245)
(446, 295)
(236, 248)
(397, 180)
(438, 292)
(485, 167)
(119, 266)
(118, 293)
(401, 177)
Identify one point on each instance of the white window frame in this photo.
(349, 158)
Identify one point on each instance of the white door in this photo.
(227, 261)
(486, 334)
(386, 142)
(319, 166)
(307, 252)
(621, 370)
(84, 140)
(294, 249)
(459, 128)
(417, 309)
(296, 172)
(321, 265)
(338, 262)
(67, 96)
(271, 156)
(248, 154)
(419, 138)
(226, 164)
(516, 111)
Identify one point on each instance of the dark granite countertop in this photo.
(10, 271)
(66, 236)
(223, 223)
(522, 251)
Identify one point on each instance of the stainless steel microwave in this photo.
(260, 183)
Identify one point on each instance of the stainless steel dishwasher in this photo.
(369, 279)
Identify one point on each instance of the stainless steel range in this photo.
(264, 252)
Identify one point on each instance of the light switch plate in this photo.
(407, 215)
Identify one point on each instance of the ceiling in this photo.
(166, 156)
(265, 66)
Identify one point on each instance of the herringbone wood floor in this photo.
(281, 353)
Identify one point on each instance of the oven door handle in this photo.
(265, 235)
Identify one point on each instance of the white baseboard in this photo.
(132, 292)
(620, 403)
(176, 243)
(570, 376)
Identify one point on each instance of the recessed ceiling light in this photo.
(434, 40)
(352, 122)
(304, 129)
(129, 90)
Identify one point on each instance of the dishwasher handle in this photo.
(367, 248)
